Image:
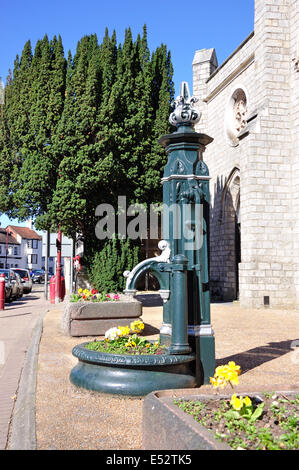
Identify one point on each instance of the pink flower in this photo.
(116, 297)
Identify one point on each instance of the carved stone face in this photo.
(240, 111)
(235, 116)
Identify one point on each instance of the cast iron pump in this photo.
(182, 268)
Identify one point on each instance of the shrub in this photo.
(108, 265)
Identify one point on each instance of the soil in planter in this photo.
(276, 429)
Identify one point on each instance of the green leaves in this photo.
(132, 344)
(254, 415)
(79, 132)
(33, 106)
(249, 412)
(108, 265)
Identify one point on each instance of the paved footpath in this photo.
(63, 417)
(262, 342)
(16, 325)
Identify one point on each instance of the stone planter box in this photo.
(167, 427)
(95, 318)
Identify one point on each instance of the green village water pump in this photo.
(188, 359)
(182, 268)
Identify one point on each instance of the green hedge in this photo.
(108, 265)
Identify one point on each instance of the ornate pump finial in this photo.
(184, 113)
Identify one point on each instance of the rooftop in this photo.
(24, 232)
(9, 239)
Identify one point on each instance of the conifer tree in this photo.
(79, 171)
(14, 126)
(80, 132)
(162, 94)
(107, 266)
(5, 160)
(33, 105)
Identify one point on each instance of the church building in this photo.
(250, 106)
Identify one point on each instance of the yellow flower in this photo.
(123, 330)
(247, 401)
(237, 403)
(137, 326)
(86, 292)
(225, 374)
(218, 382)
(220, 370)
(232, 377)
(80, 291)
(214, 382)
(234, 367)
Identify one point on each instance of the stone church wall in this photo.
(249, 106)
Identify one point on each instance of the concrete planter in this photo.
(167, 427)
(95, 318)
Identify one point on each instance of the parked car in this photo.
(20, 285)
(11, 285)
(38, 276)
(15, 285)
(8, 285)
(26, 279)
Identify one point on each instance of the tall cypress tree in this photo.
(162, 94)
(73, 201)
(5, 158)
(34, 102)
(83, 131)
(15, 123)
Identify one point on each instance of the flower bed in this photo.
(255, 423)
(266, 422)
(124, 363)
(125, 340)
(93, 295)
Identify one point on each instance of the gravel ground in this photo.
(71, 418)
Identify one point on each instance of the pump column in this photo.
(179, 340)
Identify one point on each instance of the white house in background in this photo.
(10, 250)
(66, 251)
(21, 247)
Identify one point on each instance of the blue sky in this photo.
(183, 26)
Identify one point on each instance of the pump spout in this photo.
(146, 265)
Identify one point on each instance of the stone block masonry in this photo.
(250, 107)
